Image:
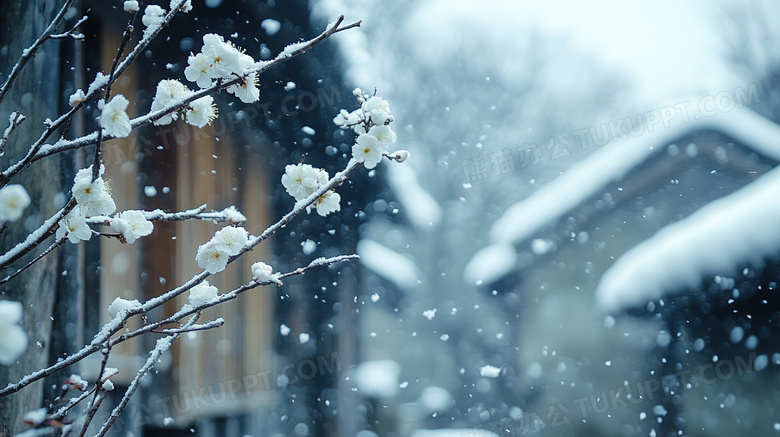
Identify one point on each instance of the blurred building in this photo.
(625, 315)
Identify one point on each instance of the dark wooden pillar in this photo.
(36, 94)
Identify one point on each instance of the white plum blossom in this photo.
(131, 6)
(262, 272)
(219, 59)
(346, 119)
(114, 119)
(328, 203)
(223, 56)
(232, 238)
(13, 201)
(384, 134)
(132, 225)
(300, 180)
(202, 293)
(212, 256)
(168, 91)
(74, 226)
(247, 90)
(77, 98)
(367, 150)
(120, 304)
(199, 70)
(201, 111)
(92, 196)
(13, 339)
(377, 109)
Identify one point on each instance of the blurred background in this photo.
(585, 240)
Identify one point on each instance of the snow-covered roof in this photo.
(611, 162)
(741, 228)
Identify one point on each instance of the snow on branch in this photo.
(35, 238)
(162, 345)
(188, 310)
(101, 81)
(219, 66)
(259, 67)
(72, 32)
(14, 120)
(30, 52)
(230, 214)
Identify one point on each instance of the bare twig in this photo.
(36, 237)
(54, 245)
(72, 402)
(14, 120)
(98, 159)
(71, 33)
(160, 347)
(98, 399)
(30, 52)
(99, 396)
(210, 325)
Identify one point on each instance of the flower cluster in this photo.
(219, 59)
(74, 226)
(202, 293)
(171, 92)
(302, 180)
(114, 118)
(93, 199)
(13, 200)
(132, 225)
(371, 122)
(213, 256)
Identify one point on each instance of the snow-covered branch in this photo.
(72, 31)
(216, 323)
(189, 310)
(97, 86)
(219, 66)
(40, 256)
(14, 120)
(30, 52)
(230, 214)
(162, 345)
(260, 67)
(36, 237)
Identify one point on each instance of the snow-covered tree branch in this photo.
(89, 209)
